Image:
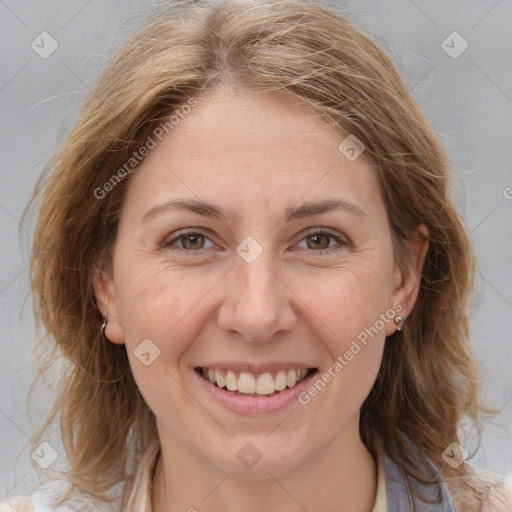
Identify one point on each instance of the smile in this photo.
(265, 384)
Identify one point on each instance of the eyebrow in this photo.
(291, 213)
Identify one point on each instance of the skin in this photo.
(255, 155)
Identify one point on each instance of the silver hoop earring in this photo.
(103, 325)
(399, 321)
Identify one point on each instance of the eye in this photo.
(190, 241)
(320, 241)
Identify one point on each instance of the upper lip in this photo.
(244, 366)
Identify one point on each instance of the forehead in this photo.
(234, 148)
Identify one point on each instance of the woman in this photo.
(247, 260)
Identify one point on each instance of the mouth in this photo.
(248, 384)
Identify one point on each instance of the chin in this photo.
(258, 458)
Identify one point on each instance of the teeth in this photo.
(280, 382)
(265, 384)
(250, 384)
(221, 382)
(291, 378)
(231, 381)
(246, 383)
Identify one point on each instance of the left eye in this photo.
(321, 240)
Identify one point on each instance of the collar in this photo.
(402, 494)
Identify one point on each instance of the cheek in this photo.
(158, 311)
(346, 301)
(353, 334)
(350, 308)
(170, 312)
(165, 307)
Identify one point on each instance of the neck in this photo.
(342, 478)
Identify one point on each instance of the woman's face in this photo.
(271, 276)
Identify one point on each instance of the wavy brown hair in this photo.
(427, 383)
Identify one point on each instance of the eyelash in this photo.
(316, 231)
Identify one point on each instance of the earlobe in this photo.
(408, 280)
(107, 305)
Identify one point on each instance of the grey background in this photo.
(468, 99)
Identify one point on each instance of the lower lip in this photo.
(255, 405)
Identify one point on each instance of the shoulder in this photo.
(48, 498)
(482, 491)
(18, 504)
(498, 495)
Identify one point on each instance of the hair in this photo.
(315, 54)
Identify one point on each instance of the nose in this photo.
(257, 304)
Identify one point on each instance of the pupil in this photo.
(190, 240)
(317, 238)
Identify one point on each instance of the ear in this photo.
(407, 280)
(104, 292)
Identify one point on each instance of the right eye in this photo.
(190, 241)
